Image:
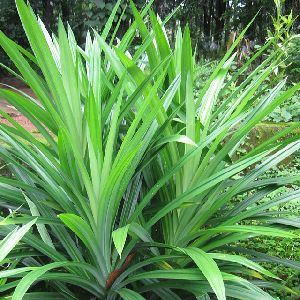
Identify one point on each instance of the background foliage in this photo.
(210, 21)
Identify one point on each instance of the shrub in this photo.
(293, 58)
(128, 193)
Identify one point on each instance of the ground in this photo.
(7, 82)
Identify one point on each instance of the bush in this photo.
(130, 191)
(293, 58)
(290, 110)
(286, 248)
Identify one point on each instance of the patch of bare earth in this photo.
(6, 83)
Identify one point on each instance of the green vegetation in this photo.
(287, 249)
(135, 190)
(80, 14)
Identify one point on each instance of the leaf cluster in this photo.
(129, 193)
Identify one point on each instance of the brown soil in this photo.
(12, 111)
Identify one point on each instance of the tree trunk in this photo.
(48, 12)
(220, 9)
(65, 10)
(206, 20)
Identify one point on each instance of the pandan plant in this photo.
(129, 189)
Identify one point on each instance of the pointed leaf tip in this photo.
(119, 237)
